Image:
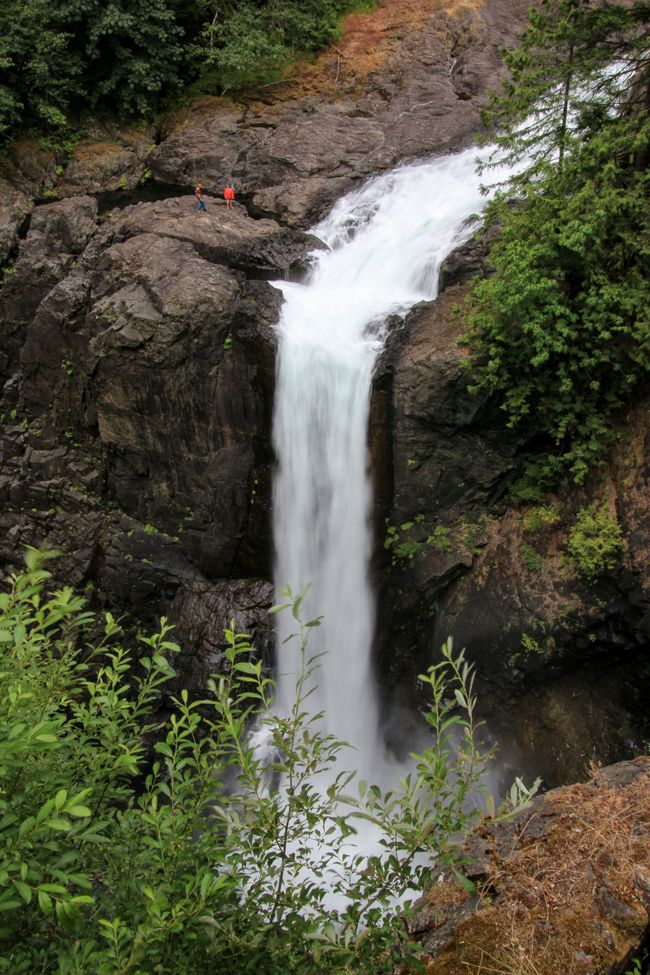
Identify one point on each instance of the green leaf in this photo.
(79, 811)
(45, 902)
(24, 890)
(247, 667)
(59, 823)
(467, 885)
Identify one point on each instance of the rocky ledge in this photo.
(563, 888)
(561, 655)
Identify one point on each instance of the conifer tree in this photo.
(579, 63)
(561, 331)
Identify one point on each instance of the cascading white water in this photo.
(386, 242)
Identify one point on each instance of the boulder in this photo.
(15, 207)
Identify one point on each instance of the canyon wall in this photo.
(137, 359)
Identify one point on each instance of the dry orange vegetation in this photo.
(366, 42)
(567, 894)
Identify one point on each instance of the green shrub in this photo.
(439, 539)
(403, 546)
(131, 841)
(530, 645)
(540, 518)
(595, 541)
(533, 560)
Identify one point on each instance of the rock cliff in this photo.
(137, 347)
(137, 416)
(137, 363)
(561, 655)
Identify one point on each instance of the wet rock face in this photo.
(138, 413)
(561, 657)
(446, 462)
(204, 611)
(448, 451)
(137, 347)
(564, 885)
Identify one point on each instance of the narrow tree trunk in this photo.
(565, 108)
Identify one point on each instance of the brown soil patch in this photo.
(367, 41)
(568, 893)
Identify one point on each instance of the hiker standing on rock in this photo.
(229, 195)
(198, 195)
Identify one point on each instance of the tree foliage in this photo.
(561, 331)
(135, 842)
(132, 50)
(253, 38)
(60, 58)
(578, 61)
(39, 74)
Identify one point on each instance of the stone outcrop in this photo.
(561, 658)
(137, 426)
(564, 886)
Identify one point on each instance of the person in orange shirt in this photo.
(229, 195)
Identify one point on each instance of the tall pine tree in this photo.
(561, 331)
(579, 63)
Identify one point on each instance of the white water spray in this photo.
(387, 242)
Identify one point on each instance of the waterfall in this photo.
(386, 243)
